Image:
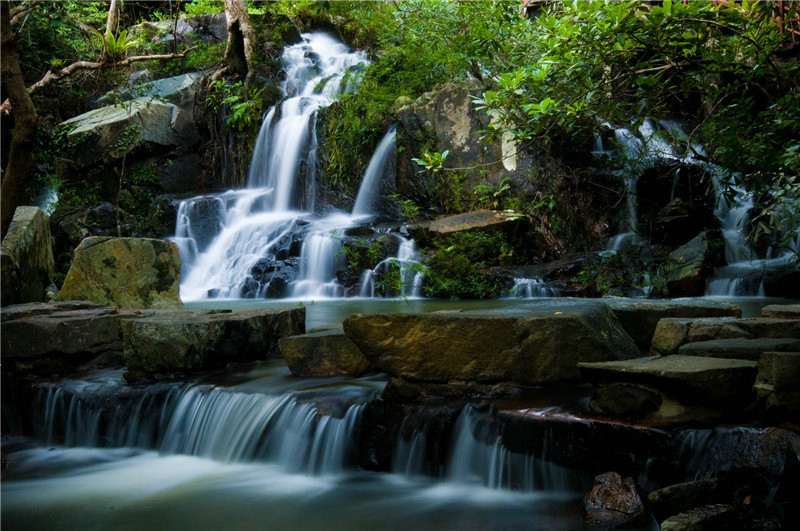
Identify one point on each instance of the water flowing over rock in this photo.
(27, 257)
(125, 272)
(519, 346)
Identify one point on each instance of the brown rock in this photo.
(325, 353)
(613, 502)
(671, 333)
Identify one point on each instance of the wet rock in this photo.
(328, 353)
(625, 401)
(724, 383)
(522, 345)
(475, 221)
(683, 497)
(186, 341)
(688, 266)
(671, 333)
(613, 502)
(27, 257)
(640, 317)
(706, 518)
(781, 311)
(44, 339)
(125, 272)
(739, 348)
(778, 383)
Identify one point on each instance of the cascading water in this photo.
(265, 241)
(532, 288)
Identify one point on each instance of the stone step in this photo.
(739, 348)
(671, 333)
(781, 311)
(324, 353)
(778, 383)
(715, 382)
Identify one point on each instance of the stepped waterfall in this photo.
(266, 240)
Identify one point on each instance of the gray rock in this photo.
(706, 518)
(27, 257)
(724, 383)
(613, 502)
(739, 348)
(625, 401)
(178, 90)
(671, 333)
(639, 317)
(688, 266)
(778, 383)
(325, 353)
(188, 341)
(125, 272)
(521, 346)
(110, 133)
(683, 497)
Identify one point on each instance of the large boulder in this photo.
(188, 341)
(110, 133)
(690, 265)
(518, 346)
(125, 272)
(671, 333)
(613, 502)
(27, 257)
(639, 317)
(326, 353)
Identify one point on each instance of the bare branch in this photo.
(20, 11)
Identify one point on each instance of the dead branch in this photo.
(19, 12)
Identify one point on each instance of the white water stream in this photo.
(244, 243)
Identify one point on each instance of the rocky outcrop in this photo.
(125, 272)
(671, 333)
(327, 353)
(690, 265)
(475, 221)
(170, 342)
(475, 352)
(613, 502)
(110, 133)
(640, 317)
(27, 257)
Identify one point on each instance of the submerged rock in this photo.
(613, 502)
(189, 341)
(125, 272)
(27, 257)
(519, 346)
(327, 353)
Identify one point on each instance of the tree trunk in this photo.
(241, 38)
(20, 154)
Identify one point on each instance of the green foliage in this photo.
(243, 113)
(409, 209)
(203, 7)
(493, 196)
(114, 47)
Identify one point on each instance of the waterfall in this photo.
(205, 421)
(479, 456)
(375, 170)
(406, 265)
(249, 225)
(532, 288)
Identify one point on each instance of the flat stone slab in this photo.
(712, 381)
(640, 317)
(526, 345)
(33, 309)
(739, 348)
(781, 311)
(324, 353)
(671, 333)
(188, 341)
